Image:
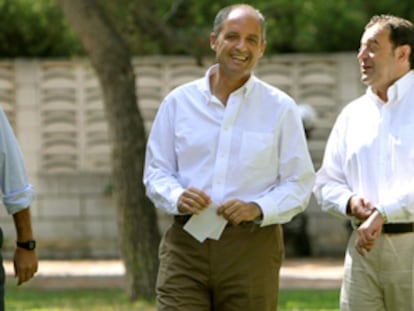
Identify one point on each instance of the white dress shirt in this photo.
(17, 192)
(253, 149)
(370, 152)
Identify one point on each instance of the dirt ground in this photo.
(59, 274)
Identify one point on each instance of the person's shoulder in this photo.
(189, 86)
(358, 104)
(273, 90)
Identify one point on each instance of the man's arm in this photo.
(25, 261)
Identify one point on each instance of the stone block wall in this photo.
(56, 110)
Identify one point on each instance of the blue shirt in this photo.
(17, 192)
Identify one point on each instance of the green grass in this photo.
(306, 300)
(33, 299)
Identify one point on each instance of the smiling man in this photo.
(367, 173)
(227, 156)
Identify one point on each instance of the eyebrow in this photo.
(370, 41)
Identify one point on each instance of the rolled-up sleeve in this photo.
(16, 190)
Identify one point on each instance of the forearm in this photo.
(23, 225)
(286, 200)
(332, 193)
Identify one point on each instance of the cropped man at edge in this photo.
(17, 197)
(367, 173)
(231, 143)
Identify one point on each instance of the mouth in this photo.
(365, 68)
(239, 58)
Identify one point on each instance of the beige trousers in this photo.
(383, 279)
(239, 272)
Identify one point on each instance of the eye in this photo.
(231, 36)
(253, 40)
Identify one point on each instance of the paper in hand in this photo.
(207, 224)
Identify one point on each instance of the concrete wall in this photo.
(55, 107)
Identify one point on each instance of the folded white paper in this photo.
(207, 224)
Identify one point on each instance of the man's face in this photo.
(239, 44)
(377, 58)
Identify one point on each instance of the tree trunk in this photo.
(139, 234)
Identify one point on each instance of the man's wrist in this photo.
(348, 209)
(28, 245)
(382, 213)
(259, 218)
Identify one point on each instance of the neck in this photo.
(222, 87)
(382, 94)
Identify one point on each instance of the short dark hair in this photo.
(401, 31)
(224, 13)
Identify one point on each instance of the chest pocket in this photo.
(405, 141)
(256, 149)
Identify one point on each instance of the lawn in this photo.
(32, 299)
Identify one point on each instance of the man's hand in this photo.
(236, 211)
(368, 232)
(193, 201)
(25, 264)
(360, 207)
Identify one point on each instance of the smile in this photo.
(240, 58)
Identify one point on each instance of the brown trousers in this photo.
(239, 272)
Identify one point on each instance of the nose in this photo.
(241, 44)
(362, 52)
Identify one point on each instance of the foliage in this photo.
(30, 298)
(34, 29)
(183, 26)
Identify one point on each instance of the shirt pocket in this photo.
(256, 149)
(406, 140)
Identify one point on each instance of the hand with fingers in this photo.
(368, 232)
(237, 211)
(360, 207)
(25, 265)
(193, 201)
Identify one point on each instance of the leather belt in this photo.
(394, 228)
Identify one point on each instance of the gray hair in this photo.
(224, 13)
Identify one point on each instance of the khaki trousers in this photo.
(383, 279)
(239, 272)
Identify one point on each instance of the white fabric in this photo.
(370, 152)
(17, 192)
(381, 280)
(253, 149)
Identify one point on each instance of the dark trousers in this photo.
(2, 274)
(238, 272)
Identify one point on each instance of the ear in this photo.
(263, 48)
(403, 53)
(213, 41)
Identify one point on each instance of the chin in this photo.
(365, 79)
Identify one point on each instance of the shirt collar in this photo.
(396, 91)
(205, 85)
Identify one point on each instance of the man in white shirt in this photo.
(17, 195)
(227, 153)
(367, 173)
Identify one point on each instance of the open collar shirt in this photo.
(253, 149)
(17, 193)
(370, 152)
